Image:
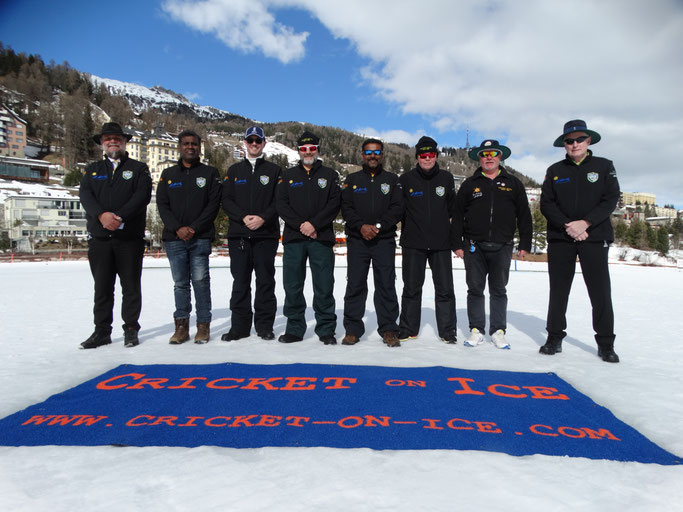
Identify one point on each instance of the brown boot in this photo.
(182, 331)
(391, 339)
(203, 333)
(350, 339)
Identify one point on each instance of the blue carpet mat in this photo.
(383, 408)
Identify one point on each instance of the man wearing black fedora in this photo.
(115, 192)
(490, 205)
(579, 194)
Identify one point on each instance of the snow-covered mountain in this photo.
(142, 98)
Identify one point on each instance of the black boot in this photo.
(97, 339)
(608, 354)
(130, 337)
(552, 346)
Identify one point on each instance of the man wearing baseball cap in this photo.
(490, 205)
(253, 233)
(429, 199)
(578, 196)
(114, 193)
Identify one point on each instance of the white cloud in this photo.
(244, 25)
(192, 96)
(397, 136)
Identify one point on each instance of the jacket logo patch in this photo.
(177, 184)
(295, 184)
(592, 177)
(264, 179)
(415, 193)
(360, 190)
(201, 181)
(440, 191)
(242, 181)
(322, 182)
(96, 176)
(385, 188)
(127, 175)
(477, 193)
(561, 180)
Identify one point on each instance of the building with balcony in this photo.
(24, 169)
(12, 133)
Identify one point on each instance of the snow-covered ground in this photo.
(46, 313)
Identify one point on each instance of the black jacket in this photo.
(126, 193)
(372, 199)
(314, 197)
(489, 210)
(189, 197)
(429, 200)
(251, 191)
(589, 191)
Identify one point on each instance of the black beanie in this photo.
(308, 138)
(426, 145)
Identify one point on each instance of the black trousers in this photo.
(481, 265)
(109, 258)
(257, 256)
(382, 254)
(561, 268)
(414, 262)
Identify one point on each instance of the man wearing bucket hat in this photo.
(188, 198)
(578, 196)
(429, 199)
(114, 193)
(253, 233)
(308, 199)
(490, 205)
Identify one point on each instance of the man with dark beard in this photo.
(372, 204)
(115, 193)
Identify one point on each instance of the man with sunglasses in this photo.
(578, 196)
(429, 199)
(372, 205)
(490, 205)
(308, 200)
(253, 234)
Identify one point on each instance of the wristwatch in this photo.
(378, 225)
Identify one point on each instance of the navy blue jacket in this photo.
(369, 198)
(251, 191)
(126, 193)
(312, 196)
(189, 197)
(489, 210)
(589, 191)
(429, 199)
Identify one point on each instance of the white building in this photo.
(29, 219)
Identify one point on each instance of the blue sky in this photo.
(400, 69)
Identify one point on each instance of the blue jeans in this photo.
(190, 262)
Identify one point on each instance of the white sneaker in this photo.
(498, 339)
(475, 338)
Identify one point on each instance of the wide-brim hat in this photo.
(489, 145)
(576, 125)
(111, 129)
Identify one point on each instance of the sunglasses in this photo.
(578, 140)
(372, 151)
(308, 149)
(423, 156)
(254, 140)
(488, 154)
